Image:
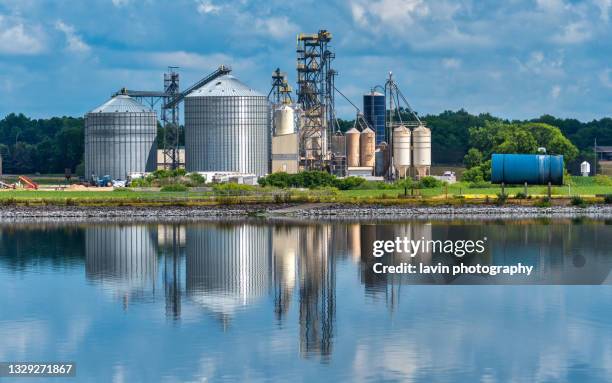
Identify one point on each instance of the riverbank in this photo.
(310, 211)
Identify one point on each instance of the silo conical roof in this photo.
(227, 85)
(121, 104)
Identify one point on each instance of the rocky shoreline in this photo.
(296, 211)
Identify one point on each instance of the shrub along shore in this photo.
(175, 188)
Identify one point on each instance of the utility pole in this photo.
(595, 162)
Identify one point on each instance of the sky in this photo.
(514, 58)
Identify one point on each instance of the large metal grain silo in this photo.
(120, 138)
(227, 128)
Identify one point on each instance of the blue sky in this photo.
(513, 58)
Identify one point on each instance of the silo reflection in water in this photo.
(285, 242)
(317, 290)
(124, 258)
(171, 242)
(227, 266)
(388, 285)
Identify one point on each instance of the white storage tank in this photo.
(585, 169)
(352, 147)
(284, 120)
(367, 146)
(401, 150)
(421, 150)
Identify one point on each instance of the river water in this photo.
(291, 300)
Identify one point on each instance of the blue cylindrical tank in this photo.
(374, 113)
(535, 169)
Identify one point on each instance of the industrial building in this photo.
(368, 149)
(231, 128)
(120, 138)
(164, 162)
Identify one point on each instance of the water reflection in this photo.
(222, 270)
(122, 259)
(228, 266)
(316, 273)
(171, 241)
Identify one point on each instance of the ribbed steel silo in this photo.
(227, 128)
(120, 138)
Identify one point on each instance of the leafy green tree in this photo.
(405, 183)
(552, 139)
(473, 175)
(472, 158)
(516, 140)
(429, 182)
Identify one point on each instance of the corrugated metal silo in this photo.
(120, 138)
(227, 128)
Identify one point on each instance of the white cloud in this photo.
(187, 60)
(206, 7)
(120, 3)
(555, 91)
(574, 32)
(74, 43)
(451, 63)
(451, 38)
(396, 14)
(18, 39)
(553, 6)
(604, 8)
(543, 65)
(605, 77)
(276, 27)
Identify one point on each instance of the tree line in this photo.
(51, 145)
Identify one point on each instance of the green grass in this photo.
(460, 189)
(586, 188)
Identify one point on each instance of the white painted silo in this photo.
(421, 150)
(401, 150)
(352, 147)
(284, 120)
